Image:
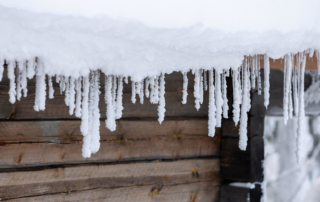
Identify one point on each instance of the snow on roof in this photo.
(144, 40)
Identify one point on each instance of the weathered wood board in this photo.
(202, 192)
(79, 178)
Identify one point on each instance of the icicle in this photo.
(236, 95)
(11, 76)
(258, 75)
(290, 102)
(78, 98)
(119, 107)
(219, 100)
(111, 119)
(24, 79)
(67, 91)
(114, 90)
(205, 82)
(162, 102)
(84, 127)
(51, 91)
(253, 71)
(266, 81)
(40, 98)
(126, 80)
(147, 88)
(133, 92)
(212, 106)
(201, 92)
(141, 91)
(18, 81)
(31, 69)
(295, 88)
(224, 94)
(95, 140)
(301, 116)
(57, 78)
(91, 141)
(1, 68)
(286, 89)
(185, 88)
(152, 90)
(196, 91)
(156, 91)
(244, 109)
(62, 84)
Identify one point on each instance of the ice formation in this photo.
(82, 93)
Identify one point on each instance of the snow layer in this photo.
(130, 46)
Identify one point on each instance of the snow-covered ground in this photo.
(286, 180)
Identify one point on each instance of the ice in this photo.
(72, 93)
(109, 99)
(78, 97)
(162, 102)
(51, 90)
(11, 76)
(236, 95)
(196, 89)
(84, 127)
(266, 90)
(133, 92)
(244, 108)
(218, 98)
(40, 98)
(212, 106)
(185, 88)
(119, 106)
(224, 93)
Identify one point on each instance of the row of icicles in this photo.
(82, 94)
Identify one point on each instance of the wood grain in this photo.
(78, 178)
(193, 192)
(25, 155)
(66, 131)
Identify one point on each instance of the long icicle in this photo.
(244, 108)
(219, 100)
(119, 106)
(78, 97)
(162, 102)
(301, 116)
(141, 92)
(40, 98)
(224, 93)
(95, 124)
(201, 93)
(51, 91)
(147, 83)
(111, 119)
(196, 91)
(133, 92)
(18, 81)
(266, 81)
(72, 96)
(185, 88)
(286, 89)
(24, 79)
(212, 106)
(84, 127)
(11, 76)
(236, 96)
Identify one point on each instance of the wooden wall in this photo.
(40, 152)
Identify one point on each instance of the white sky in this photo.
(224, 15)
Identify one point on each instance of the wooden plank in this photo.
(66, 131)
(56, 108)
(193, 192)
(78, 178)
(233, 159)
(233, 194)
(24, 155)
